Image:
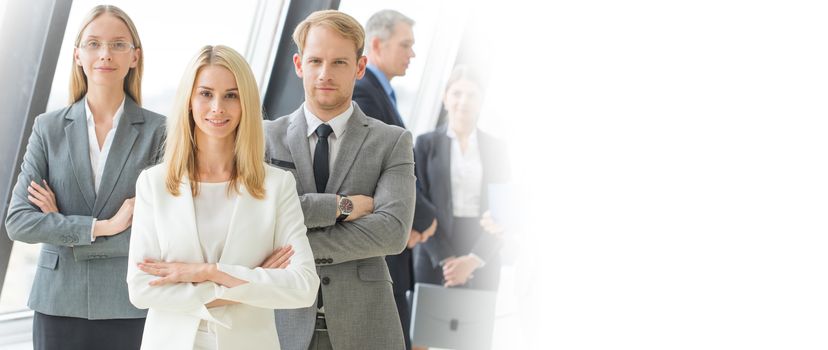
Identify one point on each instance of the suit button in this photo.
(318, 261)
(326, 280)
(329, 261)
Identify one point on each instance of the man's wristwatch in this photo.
(346, 206)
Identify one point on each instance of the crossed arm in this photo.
(34, 216)
(381, 231)
(192, 287)
(175, 272)
(25, 221)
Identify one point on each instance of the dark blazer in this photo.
(372, 99)
(432, 154)
(76, 277)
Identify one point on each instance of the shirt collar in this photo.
(452, 135)
(386, 85)
(90, 119)
(337, 123)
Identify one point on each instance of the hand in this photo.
(175, 272)
(43, 197)
(118, 222)
(279, 259)
(220, 302)
(458, 271)
(429, 231)
(415, 237)
(489, 225)
(363, 205)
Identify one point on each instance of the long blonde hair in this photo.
(248, 155)
(132, 82)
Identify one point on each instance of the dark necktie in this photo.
(321, 157)
(320, 172)
(394, 98)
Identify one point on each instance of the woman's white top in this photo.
(213, 208)
(466, 176)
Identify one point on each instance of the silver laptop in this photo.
(452, 318)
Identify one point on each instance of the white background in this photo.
(673, 158)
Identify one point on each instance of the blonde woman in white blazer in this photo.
(218, 237)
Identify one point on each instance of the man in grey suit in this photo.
(355, 178)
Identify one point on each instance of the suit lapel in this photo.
(125, 135)
(182, 221)
(245, 204)
(442, 160)
(300, 150)
(357, 130)
(490, 162)
(77, 135)
(389, 105)
(495, 164)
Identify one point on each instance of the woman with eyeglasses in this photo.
(74, 194)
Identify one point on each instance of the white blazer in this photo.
(164, 228)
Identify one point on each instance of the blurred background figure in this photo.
(389, 41)
(455, 166)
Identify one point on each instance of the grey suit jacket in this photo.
(374, 159)
(76, 277)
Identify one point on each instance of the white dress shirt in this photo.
(466, 176)
(337, 123)
(99, 153)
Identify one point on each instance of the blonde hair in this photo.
(248, 154)
(132, 82)
(340, 22)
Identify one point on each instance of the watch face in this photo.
(346, 206)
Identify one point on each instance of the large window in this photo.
(2, 12)
(171, 33)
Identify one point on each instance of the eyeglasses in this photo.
(114, 46)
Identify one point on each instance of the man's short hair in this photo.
(381, 25)
(338, 21)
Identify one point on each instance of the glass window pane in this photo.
(19, 277)
(2, 12)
